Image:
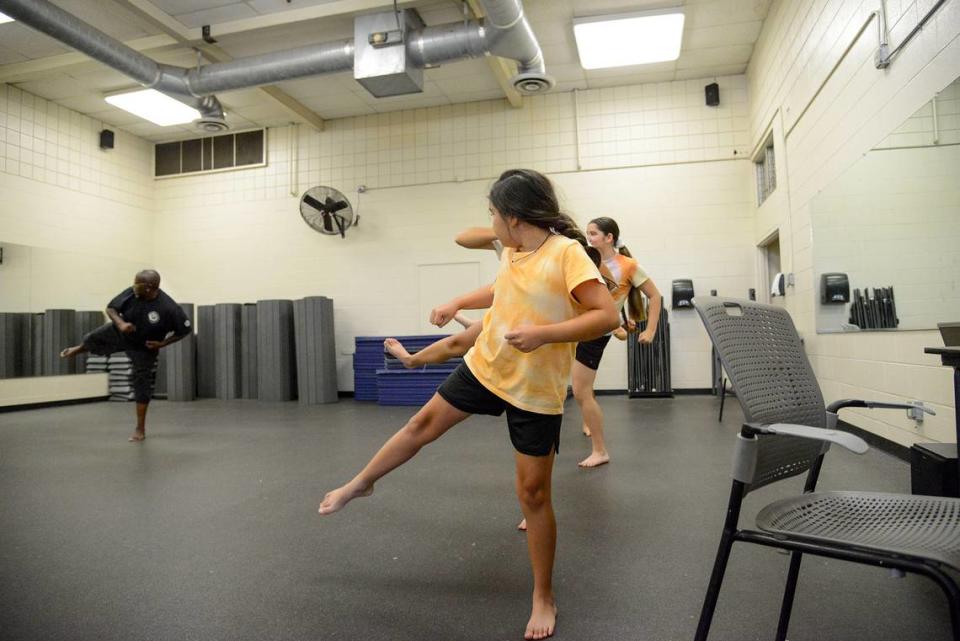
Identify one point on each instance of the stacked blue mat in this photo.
(368, 358)
(397, 385)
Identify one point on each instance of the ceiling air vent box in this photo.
(380, 62)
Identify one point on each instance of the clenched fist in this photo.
(525, 338)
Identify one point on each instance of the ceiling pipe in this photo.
(70, 30)
(508, 34)
(505, 32)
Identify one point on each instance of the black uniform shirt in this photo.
(154, 319)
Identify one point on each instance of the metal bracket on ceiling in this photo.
(205, 32)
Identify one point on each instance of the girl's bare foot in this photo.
(543, 619)
(396, 349)
(339, 497)
(522, 526)
(594, 460)
(138, 436)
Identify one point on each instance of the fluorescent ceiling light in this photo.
(5, 18)
(629, 38)
(154, 106)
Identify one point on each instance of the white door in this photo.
(441, 282)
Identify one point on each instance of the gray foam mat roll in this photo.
(13, 333)
(316, 350)
(276, 365)
(59, 331)
(86, 322)
(35, 347)
(226, 317)
(181, 364)
(248, 351)
(206, 348)
(160, 376)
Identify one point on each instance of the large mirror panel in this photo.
(49, 298)
(886, 247)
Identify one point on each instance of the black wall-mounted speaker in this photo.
(106, 139)
(712, 92)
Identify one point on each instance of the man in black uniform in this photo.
(143, 320)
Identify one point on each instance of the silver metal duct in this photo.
(70, 30)
(505, 32)
(259, 70)
(508, 34)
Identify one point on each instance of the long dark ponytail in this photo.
(635, 298)
(529, 196)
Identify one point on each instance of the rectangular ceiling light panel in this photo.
(154, 106)
(629, 38)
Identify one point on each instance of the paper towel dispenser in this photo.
(682, 293)
(834, 288)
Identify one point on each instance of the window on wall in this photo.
(766, 171)
(214, 153)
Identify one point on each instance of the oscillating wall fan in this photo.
(327, 211)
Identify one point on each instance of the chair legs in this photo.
(952, 591)
(723, 397)
(786, 607)
(713, 591)
(950, 587)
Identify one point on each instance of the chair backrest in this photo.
(764, 358)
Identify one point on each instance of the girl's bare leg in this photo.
(583, 378)
(438, 352)
(433, 419)
(533, 491)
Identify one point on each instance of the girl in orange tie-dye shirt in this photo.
(632, 283)
(547, 296)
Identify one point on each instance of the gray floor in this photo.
(209, 531)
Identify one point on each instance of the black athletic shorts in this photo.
(590, 352)
(531, 433)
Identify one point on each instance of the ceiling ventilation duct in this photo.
(386, 60)
(381, 62)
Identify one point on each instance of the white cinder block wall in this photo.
(86, 214)
(826, 106)
(237, 237)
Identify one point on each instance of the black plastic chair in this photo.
(787, 433)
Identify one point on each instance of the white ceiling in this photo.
(718, 40)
